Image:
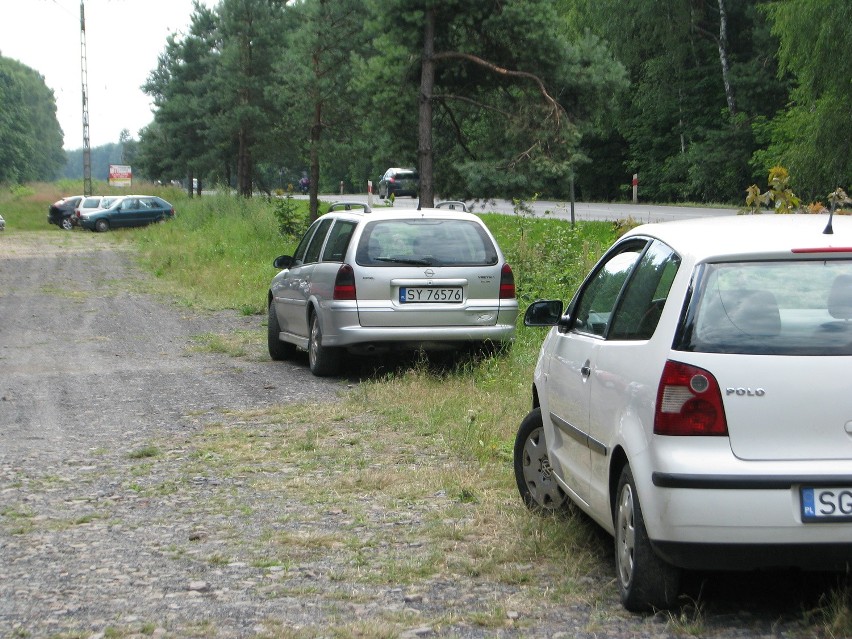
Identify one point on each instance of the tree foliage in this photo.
(812, 137)
(30, 135)
(490, 98)
(512, 95)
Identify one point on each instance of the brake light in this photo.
(507, 283)
(344, 283)
(689, 402)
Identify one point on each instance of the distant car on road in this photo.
(61, 212)
(399, 182)
(391, 280)
(128, 210)
(694, 400)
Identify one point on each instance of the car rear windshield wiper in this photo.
(404, 260)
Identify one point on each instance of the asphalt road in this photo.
(583, 211)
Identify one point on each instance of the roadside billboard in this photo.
(120, 175)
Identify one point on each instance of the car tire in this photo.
(278, 350)
(66, 224)
(101, 226)
(645, 581)
(533, 473)
(323, 360)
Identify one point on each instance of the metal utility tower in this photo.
(87, 151)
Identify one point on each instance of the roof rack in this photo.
(348, 206)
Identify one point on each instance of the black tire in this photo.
(278, 350)
(66, 224)
(323, 360)
(101, 226)
(645, 582)
(533, 474)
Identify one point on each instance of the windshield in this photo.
(425, 242)
(773, 308)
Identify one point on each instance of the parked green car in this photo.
(128, 210)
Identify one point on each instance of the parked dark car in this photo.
(399, 182)
(61, 212)
(128, 210)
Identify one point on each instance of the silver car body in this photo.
(776, 489)
(393, 274)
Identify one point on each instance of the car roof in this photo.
(403, 214)
(744, 236)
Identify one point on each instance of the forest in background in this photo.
(508, 98)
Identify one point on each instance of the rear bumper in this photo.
(706, 509)
(341, 326)
(732, 528)
(815, 557)
(413, 337)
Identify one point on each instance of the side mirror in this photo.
(282, 262)
(543, 313)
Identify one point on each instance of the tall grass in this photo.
(217, 252)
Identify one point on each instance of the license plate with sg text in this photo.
(415, 294)
(826, 504)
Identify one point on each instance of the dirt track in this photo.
(113, 522)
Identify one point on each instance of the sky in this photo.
(124, 38)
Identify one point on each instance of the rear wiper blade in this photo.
(404, 260)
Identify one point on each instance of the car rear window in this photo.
(425, 242)
(773, 308)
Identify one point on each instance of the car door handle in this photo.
(586, 370)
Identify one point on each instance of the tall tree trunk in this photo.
(316, 133)
(723, 58)
(244, 164)
(427, 85)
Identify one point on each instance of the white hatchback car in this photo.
(370, 281)
(694, 400)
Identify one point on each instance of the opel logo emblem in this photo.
(429, 272)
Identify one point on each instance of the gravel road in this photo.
(115, 522)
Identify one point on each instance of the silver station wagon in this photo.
(365, 281)
(695, 401)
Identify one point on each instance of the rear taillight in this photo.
(507, 283)
(689, 402)
(344, 283)
(77, 213)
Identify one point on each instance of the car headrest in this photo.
(840, 298)
(757, 314)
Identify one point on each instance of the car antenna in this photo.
(828, 228)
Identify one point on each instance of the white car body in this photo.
(775, 488)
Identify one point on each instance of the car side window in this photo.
(313, 252)
(595, 306)
(645, 294)
(338, 241)
(299, 255)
